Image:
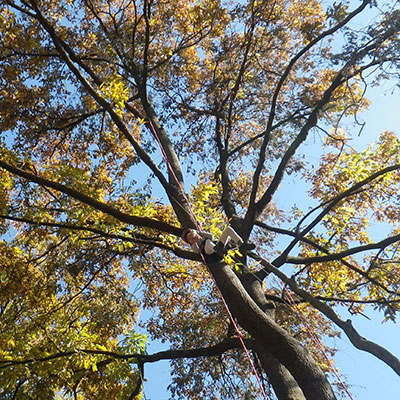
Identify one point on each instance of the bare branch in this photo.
(215, 350)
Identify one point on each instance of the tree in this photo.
(108, 109)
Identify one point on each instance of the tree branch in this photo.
(103, 207)
(261, 274)
(215, 350)
(70, 58)
(331, 204)
(355, 338)
(338, 256)
(278, 88)
(344, 75)
(249, 141)
(135, 238)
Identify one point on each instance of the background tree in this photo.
(108, 110)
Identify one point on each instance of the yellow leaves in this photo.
(231, 257)
(190, 68)
(90, 38)
(7, 182)
(15, 276)
(86, 362)
(192, 16)
(177, 268)
(205, 202)
(116, 91)
(306, 16)
(337, 173)
(42, 316)
(71, 286)
(8, 28)
(332, 280)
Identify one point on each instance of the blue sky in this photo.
(368, 377)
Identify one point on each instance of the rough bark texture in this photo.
(355, 338)
(283, 383)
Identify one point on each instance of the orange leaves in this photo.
(348, 99)
(307, 16)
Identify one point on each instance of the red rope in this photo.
(317, 342)
(174, 175)
(239, 334)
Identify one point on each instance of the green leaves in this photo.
(135, 343)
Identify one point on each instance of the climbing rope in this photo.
(238, 333)
(232, 320)
(171, 170)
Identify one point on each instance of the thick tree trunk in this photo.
(283, 383)
(270, 338)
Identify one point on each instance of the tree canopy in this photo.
(125, 122)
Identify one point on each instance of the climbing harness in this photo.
(232, 320)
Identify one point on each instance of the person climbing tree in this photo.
(203, 242)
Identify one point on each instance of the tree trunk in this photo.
(283, 383)
(270, 338)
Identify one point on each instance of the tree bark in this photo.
(283, 383)
(175, 188)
